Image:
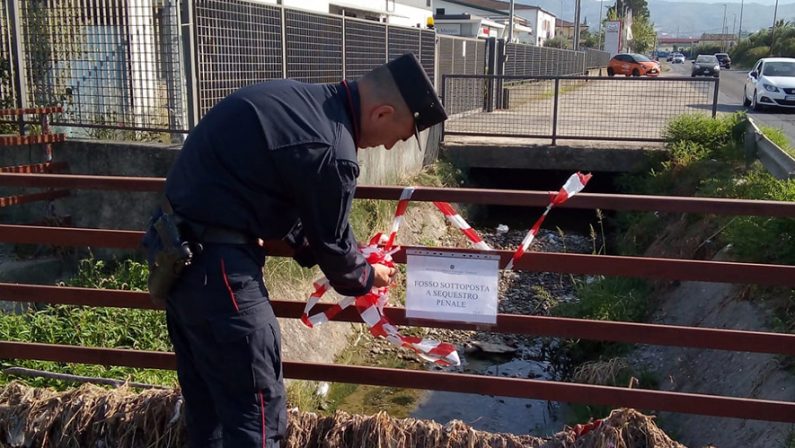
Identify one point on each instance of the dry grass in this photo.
(98, 417)
(601, 372)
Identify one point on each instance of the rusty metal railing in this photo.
(640, 333)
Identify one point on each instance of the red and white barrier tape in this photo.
(573, 185)
(371, 305)
(462, 225)
(581, 430)
(403, 204)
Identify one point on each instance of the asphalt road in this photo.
(730, 99)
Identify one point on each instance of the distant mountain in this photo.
(687, 18)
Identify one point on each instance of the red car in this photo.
(629, 64)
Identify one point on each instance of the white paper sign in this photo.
(451, 286)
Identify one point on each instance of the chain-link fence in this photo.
(237, 44)
(296, 44)
(158, 65)
(573, 108)
(109, 63)
(529, 60)
(314, 46)
(365, 47)
(596, 58)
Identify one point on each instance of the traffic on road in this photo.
(771, 78)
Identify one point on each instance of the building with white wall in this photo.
(532, 24)
(413, 13)
(541, 20)
(467, 25)
(478, 18)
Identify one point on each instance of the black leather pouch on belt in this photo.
(169, 258)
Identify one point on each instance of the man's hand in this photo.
(383, 275)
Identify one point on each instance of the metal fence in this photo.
(693, 402)
(596, 58)
(109, 63)
(529, 60)
(573, 108)
(237, 43)
(159, 65)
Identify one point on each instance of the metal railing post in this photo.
(284, 43)
(343, 48)
(386, 43)
(18, 58)
(443, 98)
(502, 49)
(188, 33)
(715, 98)
(555, 113)
(491, 69)
(177, 113)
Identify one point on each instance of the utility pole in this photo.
(773, 30)
(740, 29)
(576, 25)
(510, 24)
(601, 8)
(734, 23)
(723, 30)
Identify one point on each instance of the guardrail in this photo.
(776, 160)
(711, 338)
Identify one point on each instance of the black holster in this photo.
(169, 255)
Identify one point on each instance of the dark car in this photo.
(705, 65)
(724, 60)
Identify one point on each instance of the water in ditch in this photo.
(494, 413)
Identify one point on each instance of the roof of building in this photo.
(706, 36)
(677, 40)
(560, 23)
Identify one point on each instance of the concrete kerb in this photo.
(775, 160)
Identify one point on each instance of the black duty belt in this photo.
(205, 233)
(219, 235)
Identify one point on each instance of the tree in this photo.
(557, 42)
(779, 41)
(643, 35)
(591, 40)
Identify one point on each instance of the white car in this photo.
(678, 58)
(770, 83)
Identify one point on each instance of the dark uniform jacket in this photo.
(274, 156)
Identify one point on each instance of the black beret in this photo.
(417, 91)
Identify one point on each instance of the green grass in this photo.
(609, 298)
(92, 327)
(706, 159)
(777, 136)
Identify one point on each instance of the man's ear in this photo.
(384, 111)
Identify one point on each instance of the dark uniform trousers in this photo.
(227, 342)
